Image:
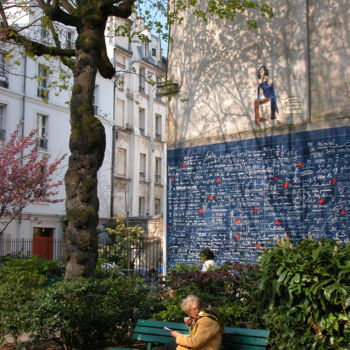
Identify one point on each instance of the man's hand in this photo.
(188, 321)
(174, 334)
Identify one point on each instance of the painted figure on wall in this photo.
(266, 103)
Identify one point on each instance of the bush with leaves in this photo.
(20, 280)
(227, 290)
(305, 289)
(121, 237)
(86, 313)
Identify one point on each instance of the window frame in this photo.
(142, 80)
(143, 167)
(142, 121)
(158, 171)
(42, 125)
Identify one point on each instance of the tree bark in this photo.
(87, 146)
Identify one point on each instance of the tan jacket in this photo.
(206, 337)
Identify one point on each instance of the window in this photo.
(95, 100)
(2, 64)
(158, 91)
(146, 49)
(121, 61)
(142, 80)
(142, 202)
(3, 76)
(142, 121)
(158, 123)
(43, 31)
(158, 171)
(154, 52)
(119, 112)
(142, 167)
(2, 123)
(157, 206)
(41, 129)
(69, 39)
(121, 161)
(43, 72)
(43, 91)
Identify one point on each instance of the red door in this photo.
(43, 242)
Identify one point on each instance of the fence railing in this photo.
(143, 259)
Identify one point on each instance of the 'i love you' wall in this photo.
(235, 198)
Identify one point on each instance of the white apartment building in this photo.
(132, 177)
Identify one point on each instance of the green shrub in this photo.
(48, 268)
(16, 293)
(20, 281)
(305, 289)
(227, 290)
(85, 313)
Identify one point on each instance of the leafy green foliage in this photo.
(121, 237)
(227, 290)
(85, 313)
(299, 291)
(81, 314)
(305, 289)
(20, 280)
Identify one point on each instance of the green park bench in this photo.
(153, 332)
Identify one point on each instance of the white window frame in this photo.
(159, 81)
(158, 127)
(43, 31)
(2, 122)
(143, 166)
(142, 121)
(157, 206)
(43, 73)
(158, 171)
(2, 64)
(142, 209)
(142, 80)
(42, 123)
(69, 39)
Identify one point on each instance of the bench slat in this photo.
(248, 331)
(232, 338)
(161, 324)
(148, 338)
(156, 331)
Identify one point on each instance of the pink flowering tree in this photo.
(26, 176)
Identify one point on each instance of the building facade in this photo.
(131, 179)
(259, 131)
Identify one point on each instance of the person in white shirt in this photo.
(207, 257)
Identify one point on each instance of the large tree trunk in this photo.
(87, 146)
